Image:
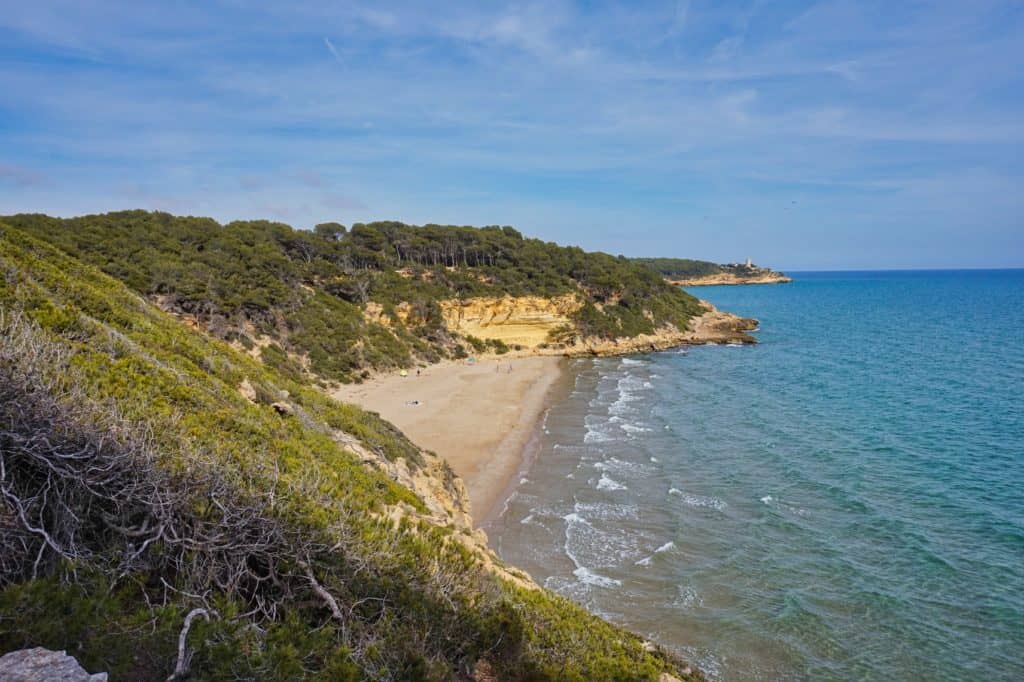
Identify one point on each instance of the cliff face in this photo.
(529, 320)
(525, 321)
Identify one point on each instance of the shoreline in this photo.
(483, 416)
(728, 279)
(559, 388)
(480, 417)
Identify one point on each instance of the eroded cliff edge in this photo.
(539, 326)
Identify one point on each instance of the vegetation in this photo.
(680, 268)
(685, 268)
(311, 293)
(157, 483)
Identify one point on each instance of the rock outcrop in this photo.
(720, 278)
(446, 498)
(517, 321)
(526, 323)
(43, 665)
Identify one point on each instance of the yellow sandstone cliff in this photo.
(527, 322)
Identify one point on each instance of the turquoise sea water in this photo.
(844, 500)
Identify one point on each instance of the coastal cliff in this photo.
(730, 278)
(527, 321)
(537, 326)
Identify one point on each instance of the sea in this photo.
(842, 501)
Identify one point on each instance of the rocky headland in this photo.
(763, 276)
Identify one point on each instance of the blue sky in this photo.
(833, 134)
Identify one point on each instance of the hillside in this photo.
(338, 304)
(158, 483)
(692, 273)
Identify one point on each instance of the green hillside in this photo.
(151, 472)
(680, 268)
(686, 268)
(307, 291)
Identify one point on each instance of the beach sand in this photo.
(480, 417)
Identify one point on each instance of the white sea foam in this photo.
(646, 561)
(607, 511)
(654, 459)
(767, 499)
(573, 517)
(610, 464)
(594, 435)
(527, 519)
(523, 481)
(631, 362)
(608, 483)
(688, 597)
(585, 575)
(630, 428)
(627, 387)
(698, 501)
(577, 526)
(598, 430)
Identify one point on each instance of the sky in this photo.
(805, 135)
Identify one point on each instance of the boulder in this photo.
(43, 665)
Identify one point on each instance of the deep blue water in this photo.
(844, 500)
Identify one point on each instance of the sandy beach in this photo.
(480, 417)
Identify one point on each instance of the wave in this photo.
(646, 561)
(698, 500)
(608, 483)
(585, 575)
(573, 517)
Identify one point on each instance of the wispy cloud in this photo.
(569, 118)
(332, 49)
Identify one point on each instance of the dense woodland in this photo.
(680, 268)
(685, 268)
(158, 522)
(307, 289)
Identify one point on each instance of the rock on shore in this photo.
(43, 665)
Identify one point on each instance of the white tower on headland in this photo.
(749, 262)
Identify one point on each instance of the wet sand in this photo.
(480, 417)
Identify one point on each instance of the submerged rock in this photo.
(43, 665)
